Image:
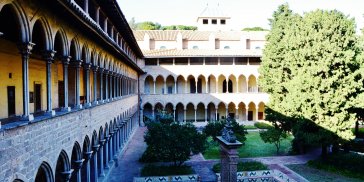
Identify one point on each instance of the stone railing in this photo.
(185, 178)
(264, 175)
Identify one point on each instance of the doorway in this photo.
(250, 115)
(61, 94)
(11, 101)
(37, 97)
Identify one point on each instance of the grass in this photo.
(262, 125)
(313, 174)
(153, 170)
(250, 127)
(253, 147)
(243, 166)
(346, 164)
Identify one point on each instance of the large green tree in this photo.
(311, 67)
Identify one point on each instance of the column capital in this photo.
(96, 147)
(102, 142)
(66, 175)
(66, 60)
(87, 66)
(87, 155)
(48, 55)
(78, 164)
(95, 68)
(25, 48)
(76, 63)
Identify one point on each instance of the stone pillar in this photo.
(101, 70)
(87, 67)
(111, 145)
(111, 86)
(165, 87)
(94, 69)
(95, 176)
(195, 114)
(175, 87)
(237, 85)
(217, 85)
(106, 86)
(216, 114)
(229, 159)
(97, 17)
(256, 113)
(246, 113)
(87, 156)
(226, 111)
(49, 57)
(77, 65)
(85, 8)
(154, 86)
(206, 114)
(236, 113)
(247, 85)
(65, 61)
(174, 113)
(101, 172)
(107, 138)
(153, 113)
(186, 82)
(196, 86)
(185, 115)
(77, 168)
(227, 86)
(66, 175)
(207, 86)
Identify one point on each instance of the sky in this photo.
(244, 13)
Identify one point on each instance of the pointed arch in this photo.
(44, 173)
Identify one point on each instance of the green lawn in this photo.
(313, 175)
(253, 147)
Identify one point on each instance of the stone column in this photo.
(95, 176)
(77, 65)
(49, 57)
(226, 111)
(175, 87)
(174, 113)
(237, 85)
(77, 168)
(106, 86)
(154, 86)
(111, 86)
(66, 175)
(195, 114)
(196, 86)
(86, 6)
(227, 86)
(101, 151)
(185, 115)
(97, 16)
(236, 113)
(87, 156)
(206, 114)
(107, 138)
(246, 113)
(25, 50)
(256, 113)
(229, 159)
(186, 82)
(65, 61)
(111, 145)
(165, 87)
(217, 85)
(247, 85)
(94, 69)
(216, 114)
(153, 112)
(87, 67)
(207, 87)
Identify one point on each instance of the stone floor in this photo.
(128, 165)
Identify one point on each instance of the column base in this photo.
(50, 113)
(78, 106)
(95, 103)
(66, 109)
(87, 105)
(29, 117)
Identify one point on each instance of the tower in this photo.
(213, 19)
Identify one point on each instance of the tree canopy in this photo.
(254, 29)
(311, 67)
(148, 25)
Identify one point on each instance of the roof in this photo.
(171, 35)
(213, 12)
(201, 53)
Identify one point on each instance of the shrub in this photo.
(243, 166)
(262, 125)
(172, 142)
(214, 129)
(273, 135)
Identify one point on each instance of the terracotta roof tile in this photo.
(200, 53)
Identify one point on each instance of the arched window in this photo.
(227, 47)
(163, 47)
(195, 47)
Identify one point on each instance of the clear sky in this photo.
(244, 13)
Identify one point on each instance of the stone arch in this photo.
(60, 43)
(169, 108)
(44, 173)
(170, 84)
(200, 112)
(86, 149)
(242, 111)
(220, 84)
(181, 84)
(180, 112)
(191, 84)
(232, 84)
(261, 111)
(149, 85)
(45, 29)
(252, 112)
(13, 12)
(63, 167)
(158, 107)
(75, 49)
(232, 110)
(76, 161)
(147, 111)
(85, 54)
(201, 84)
(242, 84)
(190, 112)
(252, 84)
(159, 84)
(211, 111)
(221, 110)
(212, 84)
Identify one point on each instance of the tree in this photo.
(214, 129)
(317, 74)
(132, 24)
(254, 29)
(273, 135)
(169, 141)
(179, 27)
(148, 25)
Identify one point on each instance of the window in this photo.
(227, 47)
(257, 47)
(205, 21)
(214, 21)
(162, 47)
(169, 89)
(195, 47)
(222, 22)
